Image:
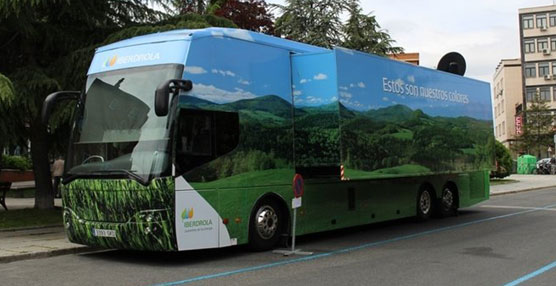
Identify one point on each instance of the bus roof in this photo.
(189, 35)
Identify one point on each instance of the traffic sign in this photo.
(297, 185)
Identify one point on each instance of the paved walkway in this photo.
(526, 183)
(50, 241)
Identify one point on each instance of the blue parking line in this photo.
(349, 249)
(532, 274)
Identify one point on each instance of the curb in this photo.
(522, 190)
(45, 254)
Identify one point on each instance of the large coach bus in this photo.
(189, 139)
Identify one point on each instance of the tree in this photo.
(503, 161)
(315, 22)
(537, 132)
(250, 14)
(363, 33)
(6, 99)
(318, 22)
(47, 46)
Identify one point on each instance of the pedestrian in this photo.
(57, 171)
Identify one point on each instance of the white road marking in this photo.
(517, 208)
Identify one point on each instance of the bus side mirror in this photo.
(51, 101)
(162, 94)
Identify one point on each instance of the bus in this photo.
(190, 139)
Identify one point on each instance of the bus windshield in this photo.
(116, 131)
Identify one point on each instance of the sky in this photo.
(483, 31)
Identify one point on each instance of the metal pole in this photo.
(293, 230)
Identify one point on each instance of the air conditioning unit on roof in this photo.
(543, 28)
(546, 52)
(547, 77)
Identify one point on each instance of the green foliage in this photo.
(15, 162)
(503, 161)
(6, 100)
(363, 33)
(318, 22)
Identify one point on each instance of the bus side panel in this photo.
(253, 81)
(400, 119)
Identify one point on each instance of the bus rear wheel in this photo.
(266, 225)
(424, 203)
(448, 201)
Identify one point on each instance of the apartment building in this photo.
(507, 99)
(538, 51)
(537, 29)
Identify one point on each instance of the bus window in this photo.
(204, 136)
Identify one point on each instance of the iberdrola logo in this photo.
(187, 214)
(110, 61)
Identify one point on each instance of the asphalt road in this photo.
(508, 240)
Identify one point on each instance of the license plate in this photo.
(104, 232)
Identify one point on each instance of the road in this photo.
(508, 240)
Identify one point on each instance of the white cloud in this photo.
(345, 94)
(223, 72)
(385, 99)
(314, 100)
(320, 76)
(361, 84)
(351, 85)
(343, 88)
(304, 80)
(217, 95)
(334, 98)
(194, 70)
(244, 82)
(297, 93)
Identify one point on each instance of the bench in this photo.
(4, 188)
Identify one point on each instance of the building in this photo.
(412, 58)
(537, 30)
(507, 99)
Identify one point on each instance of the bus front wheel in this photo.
(266, 225)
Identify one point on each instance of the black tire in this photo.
(266, 225)
(425, 205)
(448, 201)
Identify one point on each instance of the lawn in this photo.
(494, 182)
(30, 217)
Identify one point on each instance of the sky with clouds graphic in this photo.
(232, 70)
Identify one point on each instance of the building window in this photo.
(530, 93)
(541, 21)
(529, 46)
(543, 44)
(528, 22)
(502, 105)
(553, 44)
(545, 93)
(552, 19)
(503, 127)
(553, 67)
(530, 70)
(543, 69)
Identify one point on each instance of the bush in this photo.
(15, 162)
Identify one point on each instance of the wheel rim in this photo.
(425, 202)
(447, 198)
(266, 222)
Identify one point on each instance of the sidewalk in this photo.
(51, 241)
(526, 183)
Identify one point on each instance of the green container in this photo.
(526, 164)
